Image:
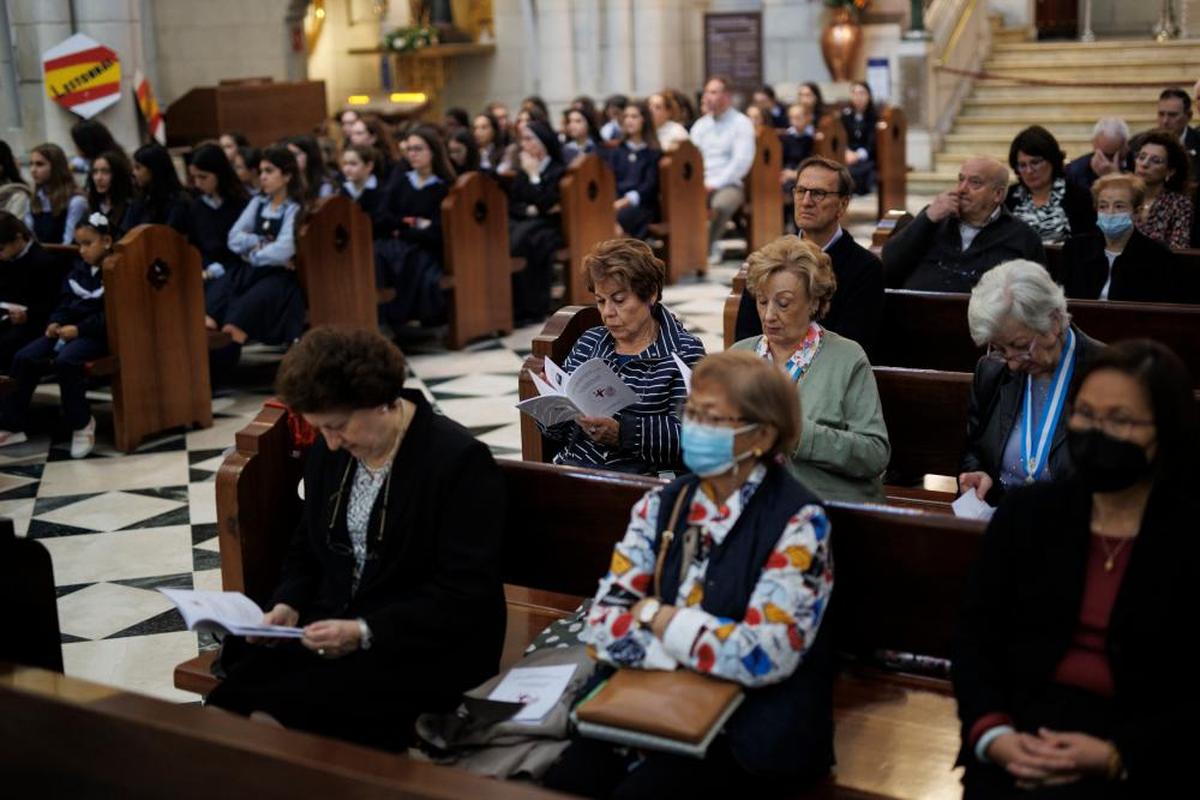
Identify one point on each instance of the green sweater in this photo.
(843, 448)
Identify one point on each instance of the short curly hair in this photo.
(340, 369)
(629, 262)
(803, 259)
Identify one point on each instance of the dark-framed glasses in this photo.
(1118, 425)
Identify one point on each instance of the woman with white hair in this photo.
(1015, 429)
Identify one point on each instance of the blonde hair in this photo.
(1121, 180)
(803, 259)
(759, 390)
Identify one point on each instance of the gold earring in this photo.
(758, 452)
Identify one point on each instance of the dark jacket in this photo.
(994, 407)
(1022, 608)
(173, 211)
(74, 308)
(860, 132)
(857, 305)
(32, 280)
(928, 256)
(797, 146)
(1079, 173)
(207, 229)
(635, 171)
(527, 199)
(1144, 270)
(408, 203)
(1081, 212)
(373, 202)
(784, 728)
(433, 598)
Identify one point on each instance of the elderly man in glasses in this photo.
(1016, 423)
(822, 195)
(962, 234)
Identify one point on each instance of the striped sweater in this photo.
(649, 436)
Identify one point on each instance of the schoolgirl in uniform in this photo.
(464, 155)
(635, 165)
(75, 335)
(91, 138)
(15, 195)
(219, 201)
(372, 131)
(361, 185)
(318, 183)
(29, 283)
(259, 297)
(232, 142)
(58, 205)
(110, 188)
(580, 134)
(245, 165)
(160, 198)
(490, 139)
(411, 257)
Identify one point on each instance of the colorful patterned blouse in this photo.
(782, 617)
(1169, 220)
(799, 361)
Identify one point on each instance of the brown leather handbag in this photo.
(680, 711)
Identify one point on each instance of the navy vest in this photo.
(786, 728)
(268, 227)
(49, 227)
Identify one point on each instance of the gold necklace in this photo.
(1110, 560)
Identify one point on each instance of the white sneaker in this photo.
(715, 256)
(12, 437)
(84, 439)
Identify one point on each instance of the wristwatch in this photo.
(649, 611)
(364, 634)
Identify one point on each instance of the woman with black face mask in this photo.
(1070, 668)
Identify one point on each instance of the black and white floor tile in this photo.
(119, 527)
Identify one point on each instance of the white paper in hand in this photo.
(539, 688)
(685, 371)
(231, 612)
(593, 390)
(969, 506)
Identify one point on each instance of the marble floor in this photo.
(119, 527)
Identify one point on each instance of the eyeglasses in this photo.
(1021, 354)
(817, 194)
(1030, 165)
(693, 414)
(1118, 425)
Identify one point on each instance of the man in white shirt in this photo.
(725, 138)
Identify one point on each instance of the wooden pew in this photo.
(66, 737)
(896, 735)
(478, 269)
(154, 304)
(589, 190)
(683, 202)
(829, 138)
(764, 203)
(891, 159)
(28, 597)
(335, 264)
(889, 223)
(1186, 262)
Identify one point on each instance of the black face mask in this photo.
(1106, 464)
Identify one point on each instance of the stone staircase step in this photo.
(1065, 109)
(1067, 123)
(988, 91)
(1119, 46)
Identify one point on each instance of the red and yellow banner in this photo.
(82, 75)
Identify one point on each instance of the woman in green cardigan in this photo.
(843, 448)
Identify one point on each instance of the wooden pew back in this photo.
(589, 190)
(763, 195)
(335, 263)
(478, 269)
(154, 304)
(264, 111)
(829, 138)
(926, 416)
(891, 159)
(684, 204)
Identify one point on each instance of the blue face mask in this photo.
(1114, 225)
(708, 449)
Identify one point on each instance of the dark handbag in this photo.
(678, 712)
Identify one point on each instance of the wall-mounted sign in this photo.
(82, 75)
(733, 46)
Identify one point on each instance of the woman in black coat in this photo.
(394, 569)
(1043, 198)
(535, 219)
(1070, 667)
(859, 120)
(1034, 354)
(635, 166)
(1120, 262)
(29, 287)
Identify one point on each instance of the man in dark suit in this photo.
(822, 195)
(1174, 113)
(1110, 146)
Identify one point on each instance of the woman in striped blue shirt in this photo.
(637, 340)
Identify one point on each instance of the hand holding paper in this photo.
(593, 390)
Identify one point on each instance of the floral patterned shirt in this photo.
(1050, 221)
(1169, 220)
(782, 616)
(799, 362)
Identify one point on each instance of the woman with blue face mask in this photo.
(726, 572)
(1120, 263)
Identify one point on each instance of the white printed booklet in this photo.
(226, 612)
(593, 390)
